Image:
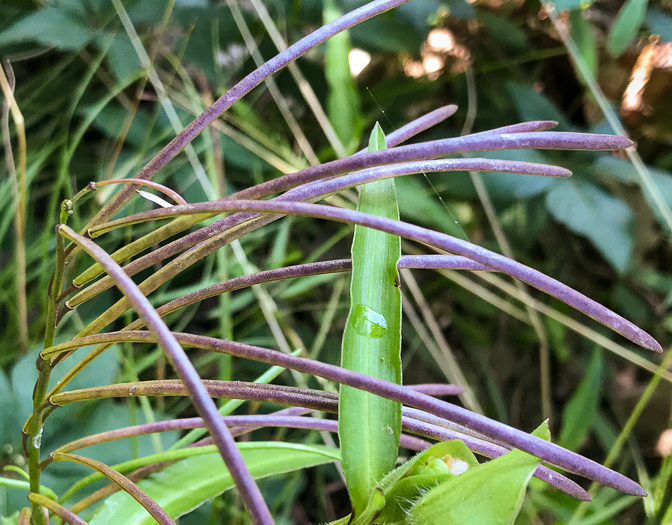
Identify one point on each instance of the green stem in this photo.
(34, 433)
(54, 291)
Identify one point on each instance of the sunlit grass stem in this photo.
(244, 86)
(20, 213)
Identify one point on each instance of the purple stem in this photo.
(434, 262)
(289, 411)
(545, 450)
(437, 389)
(287, 418)
(309, 423)
(279, 394)
(477, 142)
(322, 188)
(393, 139)
(317, 190)
(418, 125)
(243, 87)
(203, 403)
(438, 148)
(407, 261)
(439, 240)
(522, 127)
(452, 262)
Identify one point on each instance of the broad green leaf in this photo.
(583, 35)
(579, 413)
(122, 58)
(632, 304)
(342, 99)
(10, 520)
(50, 26)
(605, 220)
(24, 375)
(514, 186)
(624, 171)
(185, 485)
(502, 187)
(627, 24)
(491, 493)
(663, 181)
(370, 426)
(388, 33)
(421, 14)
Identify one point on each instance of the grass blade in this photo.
(369, 426)
(342, 98)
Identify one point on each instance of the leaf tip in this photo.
(377, 140)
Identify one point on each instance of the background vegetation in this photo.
(92, 109)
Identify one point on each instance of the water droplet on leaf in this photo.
(367, 321)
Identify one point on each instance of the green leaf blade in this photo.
(584, 207)
(370, 426)
(50, 26)
(581, 410)
(185, 485)
(627, 24)
(582, 33)
(342, 98)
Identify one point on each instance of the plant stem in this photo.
(35, 435)
(59, 510)
(54, 291)
(300, 399)
(20, 216)
(221, 232)
(40, 392)
(499, 432)
(445, 242)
